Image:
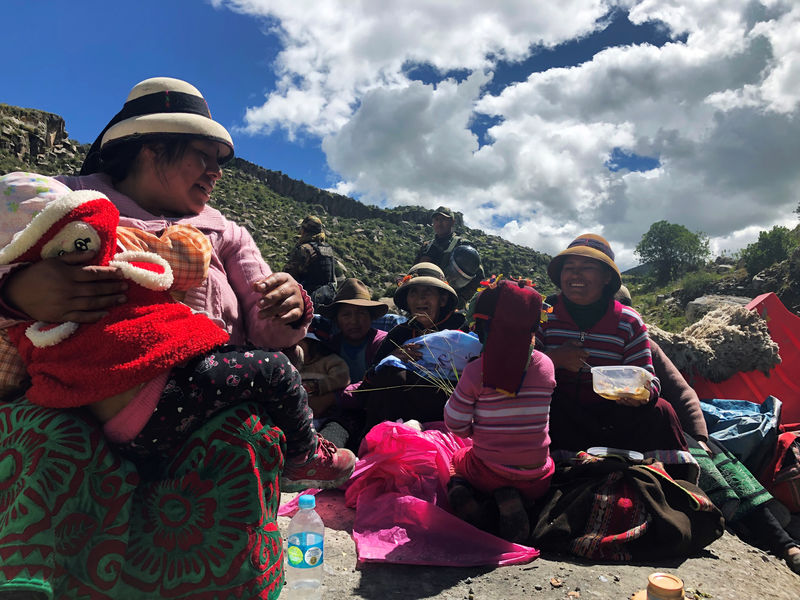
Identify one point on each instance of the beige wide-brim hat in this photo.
(159, 106)
(354, 292)
(424, 274)
(589, 245)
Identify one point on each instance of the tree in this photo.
(772, 246)
(672, 250)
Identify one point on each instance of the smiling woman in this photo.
(586, 329)
(154, 168)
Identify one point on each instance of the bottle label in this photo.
(305, 550)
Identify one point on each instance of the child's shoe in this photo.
(512, 523)
(462, 501)
(330, 468)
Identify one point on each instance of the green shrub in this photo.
(772, 246)
(696, 284)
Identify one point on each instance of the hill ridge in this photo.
(372, 243)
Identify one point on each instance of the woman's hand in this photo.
(631, 401)
(56, 290)
(408, 352)
(281, 298)
(570, 356)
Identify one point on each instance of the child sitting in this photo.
(152, 370)
(323, 372)
(502, 400)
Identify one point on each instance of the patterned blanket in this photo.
(76, 521)
(610, 510)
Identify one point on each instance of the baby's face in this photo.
(73, 237)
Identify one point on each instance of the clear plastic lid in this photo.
(307, 501)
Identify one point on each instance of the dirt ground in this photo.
(728, 569)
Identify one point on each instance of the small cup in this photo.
(661, 586)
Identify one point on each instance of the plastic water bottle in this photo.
(305, 553)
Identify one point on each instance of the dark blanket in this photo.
(77, 522)
(610, 510)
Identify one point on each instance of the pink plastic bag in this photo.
(399, 492)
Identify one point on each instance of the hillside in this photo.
(373, 244)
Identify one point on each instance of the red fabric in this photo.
(782, 381)
(781, 476)
(514, 314)
(486, 479)
(146, 336)
(136, 341)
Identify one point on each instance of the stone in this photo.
(699, 307)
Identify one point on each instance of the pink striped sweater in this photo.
(505, 430)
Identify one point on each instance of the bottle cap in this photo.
(661, 586)
(307, 501)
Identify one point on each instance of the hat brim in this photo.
(376, 309)
(169, 123)
(400, 296)
(557, 263)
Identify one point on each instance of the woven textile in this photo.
(77, 522)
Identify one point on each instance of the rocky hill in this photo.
(373, 244)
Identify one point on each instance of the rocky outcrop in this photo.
(33, 138)
(335, 204)
(699, 307)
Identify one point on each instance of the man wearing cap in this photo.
(311, 262)
(439, 251)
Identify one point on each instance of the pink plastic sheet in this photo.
(398, 490)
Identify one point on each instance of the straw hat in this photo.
(424, 274)
(589, 245)
(354, 292)
(159, 106)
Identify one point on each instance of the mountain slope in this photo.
(374, 244)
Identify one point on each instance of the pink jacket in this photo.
(226, 295)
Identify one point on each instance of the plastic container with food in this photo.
(621, 381)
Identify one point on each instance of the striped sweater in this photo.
(505, 430)
(619, 338)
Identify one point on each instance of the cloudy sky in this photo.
(538, 120)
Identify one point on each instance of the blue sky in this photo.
(538, 120)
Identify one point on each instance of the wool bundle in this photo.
(724, 342)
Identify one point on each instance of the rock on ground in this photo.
(728, 569)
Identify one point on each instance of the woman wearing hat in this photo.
(397, 393)
(158, 160)
(353, 310)
(588, 328)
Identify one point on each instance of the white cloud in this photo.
(721, 111)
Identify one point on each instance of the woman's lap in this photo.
(574, 427)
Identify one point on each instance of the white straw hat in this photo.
(158, 106)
